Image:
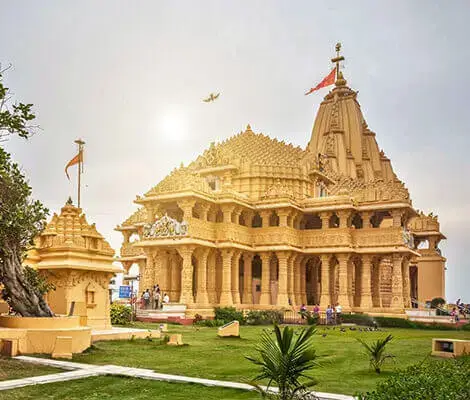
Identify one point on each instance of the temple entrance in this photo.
(313, 280)
(256, 273)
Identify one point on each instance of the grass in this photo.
(14, 369)
(345, 367)
(115, 387)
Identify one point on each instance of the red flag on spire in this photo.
(327, 81)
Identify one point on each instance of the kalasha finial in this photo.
(69, 201)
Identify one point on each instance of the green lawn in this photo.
(113, 387)
(14, 369)
(344, 369)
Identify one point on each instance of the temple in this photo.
(258, 223)
(78, 261)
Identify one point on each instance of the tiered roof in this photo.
(256, 148)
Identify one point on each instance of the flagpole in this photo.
(80, 143)
(337, 59)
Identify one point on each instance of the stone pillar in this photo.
(175, 280)
(406, 283)
(237, 210)
(265, 297)
(397, 282)
(283, 214)
(265, 218)
(204, 208)
(157, 267)
(366, 286)
(127, 235)
(325, 297)
(211, 277)
(187, 208)
(202, 298)
(343, 295)
(325, 219)
(247, 278)
(291, 279)
(282, 293)
(297, 282)
(186, 295)
(376, 284)
(303, 282)
(236, 277)
(397, 216)
(165, 260)
(343, 216)
(249, 214)
(146, 271)
(227, 210)
(226, 293)
(366, 216)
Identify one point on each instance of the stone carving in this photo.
(212, 157)
(330, 145)
(165, 227)
(425, 222)
(408, 238)
(278, 189)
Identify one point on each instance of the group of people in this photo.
(461, 310)
(153, 299)
(333, 313)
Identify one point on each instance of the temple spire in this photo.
(337, 60)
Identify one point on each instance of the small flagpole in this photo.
(80, 143)
(337, 59)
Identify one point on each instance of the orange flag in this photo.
(327, 81)
(77, 159)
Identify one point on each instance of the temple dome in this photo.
(340, 132)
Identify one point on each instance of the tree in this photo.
(376, 352)
(285, 359)
(21, 217)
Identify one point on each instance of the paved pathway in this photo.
(79, 371)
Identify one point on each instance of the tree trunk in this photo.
(19, 294)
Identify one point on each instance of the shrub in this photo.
(210, 323)
(359, 319)
(437, 302)
(431, 380)
(228, 314)
(264, 317)
(120, 314)
(389, 322)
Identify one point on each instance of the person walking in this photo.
(338, 311)
(329, 315)
(146, 297)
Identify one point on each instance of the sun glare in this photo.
(173, 126)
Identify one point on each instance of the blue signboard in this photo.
(124, 292)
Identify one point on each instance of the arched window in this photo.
(334, 221)
(257, 221)
(274, 219)
(356, 221)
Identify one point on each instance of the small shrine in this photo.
(76, 258)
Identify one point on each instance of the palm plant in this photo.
(285, 359)
(376, 352)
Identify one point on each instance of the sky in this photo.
(128, 78)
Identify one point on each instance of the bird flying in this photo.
(212, 97)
